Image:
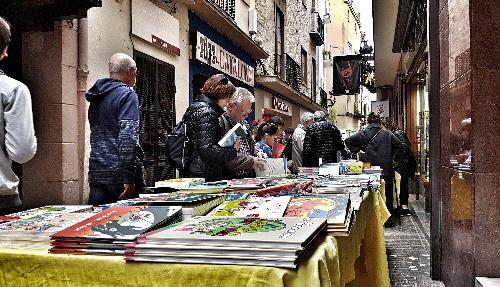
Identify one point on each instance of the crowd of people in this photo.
(115, 168)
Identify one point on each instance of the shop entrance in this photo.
(156, 90)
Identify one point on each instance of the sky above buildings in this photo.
(364, 7)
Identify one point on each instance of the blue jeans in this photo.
(109, 193)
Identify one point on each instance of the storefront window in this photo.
(423, 129)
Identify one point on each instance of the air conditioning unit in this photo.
(252, 21)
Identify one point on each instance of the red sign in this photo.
(280, 105)
(162, 44)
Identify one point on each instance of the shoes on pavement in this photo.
(389, 224)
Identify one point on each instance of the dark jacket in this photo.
(380, 146)
(322, 140)
(202, 120)
(406, 164)
(242, 165)
(114, 124)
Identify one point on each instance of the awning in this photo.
(39, 15)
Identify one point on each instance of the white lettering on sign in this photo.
(215, 56)
(280, 105)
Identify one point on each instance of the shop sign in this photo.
(280, 105)
(155, 25)
(215, 56)
(381, 108)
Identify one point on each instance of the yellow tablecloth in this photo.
(396, 189)
(359, 258)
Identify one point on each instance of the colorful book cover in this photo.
(52, 209)
(178, 183)
(272, 167)
(41, 225)
(121, 222)
(282, 233)
(175, 198)
(333, 208)
(253, 207)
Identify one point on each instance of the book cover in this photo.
(272, 167)
(229, 139)
(178, 183)
(278, 150)
(40, 226)
(121, 222)
(253, 207)
(175, 198)
(333, 208)
(52, 209)
(281, 233)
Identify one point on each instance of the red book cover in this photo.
(278, 150)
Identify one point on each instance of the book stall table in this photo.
(355, 260)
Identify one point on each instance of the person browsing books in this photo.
(236, 111)
(266, 134)
(202, 121)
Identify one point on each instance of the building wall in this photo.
(52, 177)
(103, 33)
(469, 104)
(343, 29)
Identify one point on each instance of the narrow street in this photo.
(408, 249)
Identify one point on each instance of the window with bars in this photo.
(156, 89)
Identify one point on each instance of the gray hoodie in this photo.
(17, 136)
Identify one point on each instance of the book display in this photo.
(276, 242)
(114, 227)
(265, 221)
(335, 208)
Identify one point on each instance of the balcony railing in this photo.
(226, 6)
(288, 70)
(317, 32)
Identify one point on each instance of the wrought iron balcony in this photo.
(227, 6)
(288, 70)
(317, 32)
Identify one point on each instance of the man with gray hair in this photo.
(306, 119)
(322, 141)
(115, 171)
(236, 111)
(17, 134)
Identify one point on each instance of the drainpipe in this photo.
(82, 74)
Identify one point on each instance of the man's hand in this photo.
(128, 190)
(258, 163)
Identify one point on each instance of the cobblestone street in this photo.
(408, 251)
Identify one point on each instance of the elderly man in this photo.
(322, 141)
(115, 172)
(16, 129)
(298, 136)
(237, 110)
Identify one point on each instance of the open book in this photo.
(229, 139)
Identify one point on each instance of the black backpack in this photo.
(405, 164)
(179, 146)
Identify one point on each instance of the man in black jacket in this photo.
(380, 148)
(406, 165)
(237, 110)
(322, 140)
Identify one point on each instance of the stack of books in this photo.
(274, 242)
(311, 172)
(34, 232)
(193, 204)
(335, 208)
(45, 210)
(108, 231)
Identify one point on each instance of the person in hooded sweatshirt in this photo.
(17, 134)
(115, 171)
